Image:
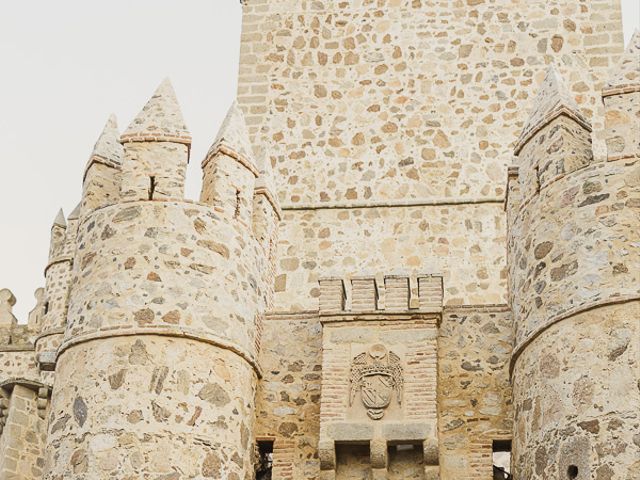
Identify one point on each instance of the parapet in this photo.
(381, 294)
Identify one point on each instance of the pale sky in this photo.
(68, 64)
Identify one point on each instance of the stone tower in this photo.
(574, 269)
(157, 372)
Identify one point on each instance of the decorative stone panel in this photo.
(379, 368)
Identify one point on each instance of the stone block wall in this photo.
(474, 388)
(23, 437)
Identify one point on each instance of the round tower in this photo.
(574, 268)
(157, 372)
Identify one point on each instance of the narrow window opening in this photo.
(236, 214)
(264, 463)
(572, 472)
(502, 460)
(538, 179)
(46, 307)
(152, 187)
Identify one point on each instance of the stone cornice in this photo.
(163, 331)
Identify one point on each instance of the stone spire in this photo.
(75, 213)
(553, 100)
(160, 120)
(233, 140)
(59, 221)
(627, 72)
(107, 149)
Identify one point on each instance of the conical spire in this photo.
(233, 139)
(160, 120)
(107, 149)
(627, 72)
(59, 221)
(552, 101)
(75, 214)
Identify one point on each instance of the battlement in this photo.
(381, 294)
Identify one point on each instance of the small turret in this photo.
(101, 180)
(621, 98)
(556, 140)
(52, 321)
(229, 170)
(156, 146)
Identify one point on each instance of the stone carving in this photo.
(376, 374)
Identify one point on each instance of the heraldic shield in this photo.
(377, 374)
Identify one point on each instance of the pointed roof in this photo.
(59, 221)
(75, 214)
(160, 120)
(233, 140)
(107, 149)
(625, 76)
(553, 100)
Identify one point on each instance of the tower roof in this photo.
(626, 74)
(553, 100)
(160, 120)
(75, 214)
(233, 140)
(107, 149)
(59, 221)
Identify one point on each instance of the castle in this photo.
(417, 245)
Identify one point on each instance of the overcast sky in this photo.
(68, 64)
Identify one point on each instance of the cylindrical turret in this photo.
(575, 287)
(157, 374)
(56, 291)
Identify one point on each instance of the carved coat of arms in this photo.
(377, 374)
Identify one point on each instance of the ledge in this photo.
(534, 334)
(419, 202)
(175, 332)
(620, 90)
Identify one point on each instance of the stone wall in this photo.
(23, 436)
(399, 99)
(390, 125)
(600, 435)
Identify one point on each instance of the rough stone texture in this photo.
(118, 398)
(23, 436)
(401, 99)
(157, 372)
(574, 266)
(568, 415)
(474, 391)
(101, 183)
(370, 325)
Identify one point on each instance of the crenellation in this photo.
(156, 150)
(102, 176)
